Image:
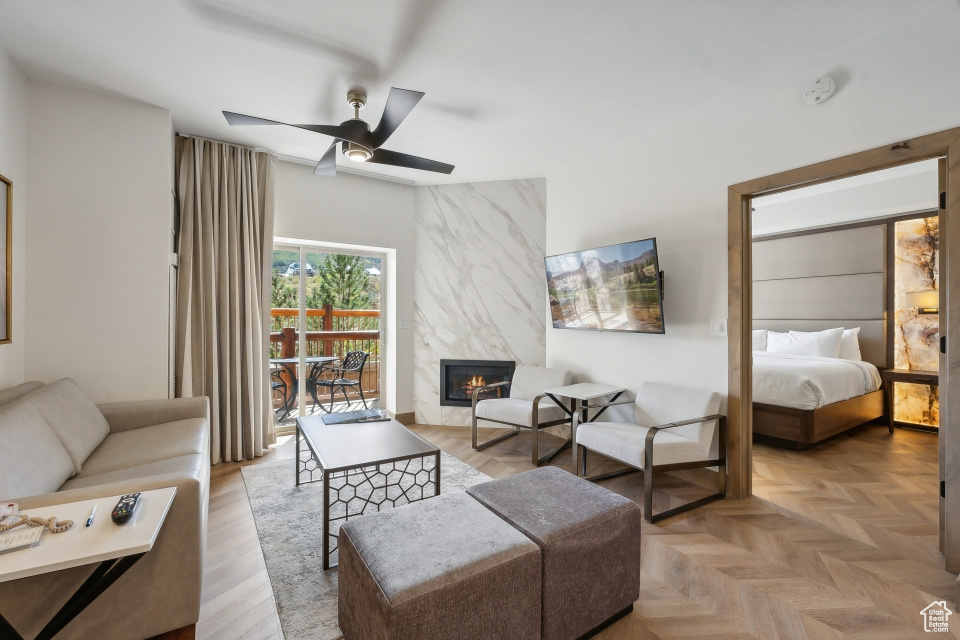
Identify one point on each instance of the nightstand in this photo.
(890, 376)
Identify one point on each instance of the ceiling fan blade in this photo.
(240, 120)
(383, 156)
(356, 135)
(400, 103)
(328, 163)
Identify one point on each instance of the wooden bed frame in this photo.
(800, 429)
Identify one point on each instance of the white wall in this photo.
(674, 186)
(692, 253)
(350, 209)
(13, 166)
(98, 242)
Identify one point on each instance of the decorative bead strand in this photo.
(54, 525)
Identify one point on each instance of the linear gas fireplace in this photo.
(458, 379)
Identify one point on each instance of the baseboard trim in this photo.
(406, 418)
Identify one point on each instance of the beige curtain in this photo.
(225, 246)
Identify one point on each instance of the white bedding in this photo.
(809, 382)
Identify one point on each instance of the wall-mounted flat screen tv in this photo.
(616, 288)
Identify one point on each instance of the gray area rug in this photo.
(289, 522)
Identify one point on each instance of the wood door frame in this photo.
(944, 144)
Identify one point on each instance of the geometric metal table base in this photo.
(99, 581)
(365, 488)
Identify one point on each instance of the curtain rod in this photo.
(232, 144)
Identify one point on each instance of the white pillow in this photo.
(850, 345)
(825, 344)
(759, 339)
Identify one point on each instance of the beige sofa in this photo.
(57, 446)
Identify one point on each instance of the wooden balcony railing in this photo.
(331, 332)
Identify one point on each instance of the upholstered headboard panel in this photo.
(824, 280)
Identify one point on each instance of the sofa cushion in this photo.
(149, 444)
(189, 466)
(72, 416)
(660, 403)
(11, 394)
(517, 411)
(627, 443)
(33, 459)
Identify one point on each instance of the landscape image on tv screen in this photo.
(614, 288)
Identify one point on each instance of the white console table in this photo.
(115, 547)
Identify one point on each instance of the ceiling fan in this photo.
(358, 142)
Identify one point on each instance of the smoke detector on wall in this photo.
(819, 91)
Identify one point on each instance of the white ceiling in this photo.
(520, 88)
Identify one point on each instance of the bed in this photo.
(800, 400)
(812, 283)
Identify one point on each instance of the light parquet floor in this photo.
(840, 542)
(237, 600)
(869, 485)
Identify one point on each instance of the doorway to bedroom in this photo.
(845, 279)
(885, 480)
(845, 354)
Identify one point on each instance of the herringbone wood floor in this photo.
(840, 542)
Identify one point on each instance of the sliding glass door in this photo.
(325, 334)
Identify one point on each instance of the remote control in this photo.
(125, 508)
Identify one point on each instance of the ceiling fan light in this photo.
(356, 152)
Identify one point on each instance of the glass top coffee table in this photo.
(365, 467)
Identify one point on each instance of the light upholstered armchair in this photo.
(673, 428)
(522, 408)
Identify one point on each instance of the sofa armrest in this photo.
(124, 416)
(164, 588)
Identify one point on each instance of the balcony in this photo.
(329, 332)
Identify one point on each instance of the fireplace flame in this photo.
(473, 383)
(465, 386)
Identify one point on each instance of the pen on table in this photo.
(92, 512)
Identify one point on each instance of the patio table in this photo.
(290, 365)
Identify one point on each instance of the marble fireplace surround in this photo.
(479, 284)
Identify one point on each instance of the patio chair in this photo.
(277, 383)
(521, 408)
(673, 428)
(353, 362)
(316, 370)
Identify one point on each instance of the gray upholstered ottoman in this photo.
(444, 568)
(590, 541)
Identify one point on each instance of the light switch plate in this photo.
(718, 327)
(404, 323)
